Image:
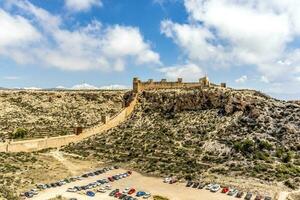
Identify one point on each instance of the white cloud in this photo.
(189, 72)
(84, 86)
(242, 79)
(41, 39)
(241, 33)
(82, 5)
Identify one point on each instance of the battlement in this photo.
(139, 86)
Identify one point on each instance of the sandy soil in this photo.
(153, 185)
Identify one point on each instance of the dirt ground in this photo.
(155, 186)
(73, 166)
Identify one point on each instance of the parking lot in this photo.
(176, 191)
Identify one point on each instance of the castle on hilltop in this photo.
(139, 86)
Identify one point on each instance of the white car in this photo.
(107, 187)
(126, 190)
(34, 191)
(209, 186)
(167, 180)
(147, 195)
(71, 190)
(101, 190)
(215, 188)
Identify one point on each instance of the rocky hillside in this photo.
(51, 113)
(191, 133)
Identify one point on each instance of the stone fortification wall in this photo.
(54, 142)
(139, 86)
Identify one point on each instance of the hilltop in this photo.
(51, 113)
(192, 133)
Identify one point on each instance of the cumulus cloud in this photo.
(242, 79)
(241, 33)
(38, 37)
(189, 72)
(82, 5)
(84, 86)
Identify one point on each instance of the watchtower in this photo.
(136, 84)
(204, 81)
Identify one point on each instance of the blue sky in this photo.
(248, 44)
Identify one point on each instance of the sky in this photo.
(105, 43)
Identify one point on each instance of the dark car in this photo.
(268, 198)
(85, 175)
(90, 193)
(240, 194)
(195, 185)
(112, 193)
(122, 196)
(189, 184)
(28, 194)
(259, 197)
(248, 196)
(201, 186)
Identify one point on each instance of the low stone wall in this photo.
(55, 142)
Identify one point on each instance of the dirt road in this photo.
(176, 191)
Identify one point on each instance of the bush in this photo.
(287, 157)
(19, 133)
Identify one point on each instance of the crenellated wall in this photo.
(107, 123)
(55, 142)
(139, 86)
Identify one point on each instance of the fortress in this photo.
(139, 86)
(106, 121)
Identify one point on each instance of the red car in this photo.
(172, 181)
(225, 190)
(131, 191)
(118, 194)
(110, 179)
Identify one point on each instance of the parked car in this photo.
(209, 186)
(240, 194)
(201, 185)
(167, 180)
(189, 184)
(140, 193)
(268, 198)
(195, 185)
(112, 193)
(90, 193)
(215, 188)
(259, 197)
(108, 187)
(147, 195)
(131, 191)
(232, 192)
(71, 190)
(28, 194)
(225, 190)
(248, 196)
(101, 190)
(126, 190)
(118, 194)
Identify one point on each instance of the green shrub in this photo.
(19, 133)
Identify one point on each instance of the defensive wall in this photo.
(55, 142)
(139, 86)
(107, 123)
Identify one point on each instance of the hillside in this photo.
(192, 133)
(52, 113)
